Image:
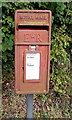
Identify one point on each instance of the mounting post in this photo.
(29, 103)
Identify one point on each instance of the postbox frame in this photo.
(17, 44)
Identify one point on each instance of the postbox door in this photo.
(38, 84)
(32, 85)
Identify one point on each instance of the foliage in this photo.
(60, 74)
(61, 50)
(60, 43)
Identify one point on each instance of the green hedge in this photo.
(60, 41)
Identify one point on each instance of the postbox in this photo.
(32, 51)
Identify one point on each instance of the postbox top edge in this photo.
(44, 11)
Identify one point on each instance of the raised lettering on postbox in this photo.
(32, 37)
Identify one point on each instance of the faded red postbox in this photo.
(32, 51)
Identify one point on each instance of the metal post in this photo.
(29, 106)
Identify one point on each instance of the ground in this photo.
(50, 105)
